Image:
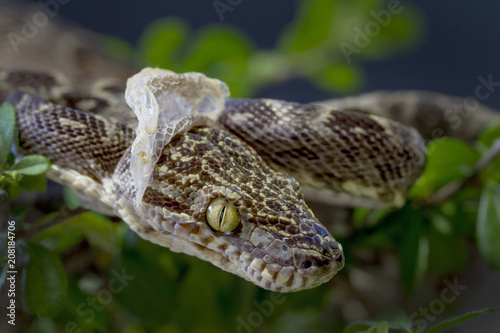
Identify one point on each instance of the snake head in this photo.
(212, 196)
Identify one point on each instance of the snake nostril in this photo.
(307, 264)
(340, 258)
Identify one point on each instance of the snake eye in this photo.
(223, 216)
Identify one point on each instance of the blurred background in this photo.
(301, 51)
(433, 45)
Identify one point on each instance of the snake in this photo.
(232, 190)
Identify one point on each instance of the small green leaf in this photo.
(456, 320)
(488, 226)
(161, 42)
(448, 159)
(71, 199)
(32, 165)
(29, 183)
(45, 283)
(7, 131)
(381, 327)
(339, 77)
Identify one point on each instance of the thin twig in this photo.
(454, 187)
(64, 214)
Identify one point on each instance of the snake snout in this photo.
(321, 265)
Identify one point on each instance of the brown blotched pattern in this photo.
(279, 245)
(346, 152)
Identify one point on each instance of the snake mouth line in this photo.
(287, 278)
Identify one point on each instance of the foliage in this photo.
(90, 274)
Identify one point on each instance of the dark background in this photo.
(461, 39)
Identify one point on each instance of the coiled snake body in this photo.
(224, 194)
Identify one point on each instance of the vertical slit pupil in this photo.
(221, 216)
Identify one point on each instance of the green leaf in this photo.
(381, 327)
(484, 144)
(413, 253)
(489, 134)
(448, 159)
(221, 52)
(488, 226)
(32, 165)
(71, 199)
(7, 131)
(403, 32)
(29, 183)
(45, 283)
(161, 42)
(58, 238)
(311, 28)
(99, 231)
(339, 77)
(456, 320)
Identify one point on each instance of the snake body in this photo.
(254, 161)
(280, 245)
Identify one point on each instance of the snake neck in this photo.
(88, 144)
(84, 149)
